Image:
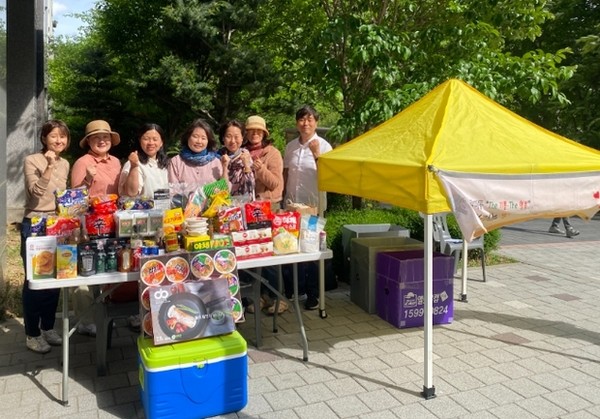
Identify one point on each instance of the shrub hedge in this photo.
(340, 215)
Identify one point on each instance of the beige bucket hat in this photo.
(97, 126)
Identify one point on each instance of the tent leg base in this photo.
(428, 393)
(463, 298)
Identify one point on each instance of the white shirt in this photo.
(151, 178)
(302, 186)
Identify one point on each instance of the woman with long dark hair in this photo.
(146, 169)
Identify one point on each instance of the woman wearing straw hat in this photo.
(267, 161)
(97, 170)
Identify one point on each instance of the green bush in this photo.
(340, 215)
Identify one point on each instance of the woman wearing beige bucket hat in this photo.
(97, 170)
(267, 161)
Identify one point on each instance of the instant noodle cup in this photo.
(153, 272)
(145, 298)
(177, 269)
(202, 266)
(233, 283)
(225, 261)
(237, 309)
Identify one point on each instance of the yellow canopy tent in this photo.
(457, 150)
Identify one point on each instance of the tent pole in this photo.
(428, 387)
(465, 254)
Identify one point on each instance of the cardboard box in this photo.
(41, 257)
(66, 261)
(400, 288)
(196, 379)
(363, 269)
(191, 310)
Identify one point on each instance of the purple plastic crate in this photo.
(400, 287)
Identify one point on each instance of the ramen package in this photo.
(257, 214)
(100, 225)
(104, 204)
(286, 229)
(71, 202)
(190, 310)
(311, 227)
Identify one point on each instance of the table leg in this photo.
(299, 315)
(100, 318)
(322, 312)
(65, 347)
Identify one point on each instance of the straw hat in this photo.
(257, 122)
(96, 127)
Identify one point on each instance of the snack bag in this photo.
(286, 228)
(61, 226)
(195, 204)
(38, 225)
(71, 202)
(257, 214)
(230, 220)
(311, 227)
(221, 199)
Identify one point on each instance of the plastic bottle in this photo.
(101, 259)
(111, 259)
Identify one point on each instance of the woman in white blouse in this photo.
(146, 169)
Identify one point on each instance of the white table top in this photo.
(119, 277)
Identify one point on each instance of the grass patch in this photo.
(11, 304)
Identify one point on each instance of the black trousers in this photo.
(39, 306)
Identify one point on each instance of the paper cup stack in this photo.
(196, 226)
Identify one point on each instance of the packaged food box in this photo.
(191, 310)
(66, 261)
(196, 379)
(252, 251)
(41, 257)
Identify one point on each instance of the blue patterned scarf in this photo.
(197, 159)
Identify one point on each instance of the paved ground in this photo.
(526, 345)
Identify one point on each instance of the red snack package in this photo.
(61, 226)
(257, 213)
(100, 225)
(230, 220)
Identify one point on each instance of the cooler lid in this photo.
(206, 350)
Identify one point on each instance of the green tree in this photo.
(575, 27)
(372, 59)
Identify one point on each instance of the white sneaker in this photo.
(52, 337)
(87, 329)
(37, 344)
(301, 298)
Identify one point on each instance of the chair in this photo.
(453, 247)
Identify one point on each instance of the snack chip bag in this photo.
(286, 228)
(221, 199)
(229, 220)
(71, 202)
(195, 204)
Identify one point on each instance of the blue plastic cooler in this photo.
(194, 379)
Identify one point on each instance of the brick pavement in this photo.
(526, 345)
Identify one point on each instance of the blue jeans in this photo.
(39, 306)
